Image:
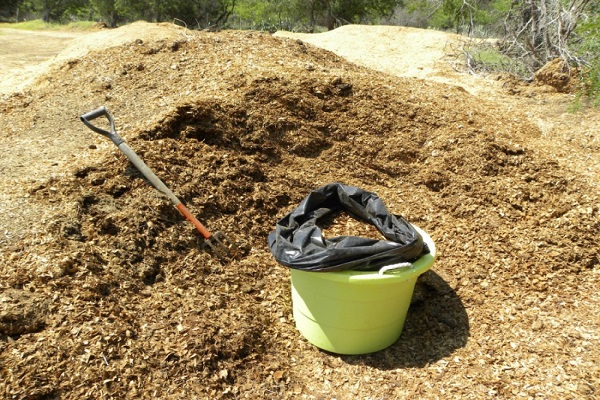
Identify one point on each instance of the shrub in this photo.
(587, 49)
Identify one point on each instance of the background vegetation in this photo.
(530, 32)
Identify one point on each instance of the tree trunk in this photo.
(113, 19)
(157, 10)
(222, 19)
(329, 18)
(312, 16)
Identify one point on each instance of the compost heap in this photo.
(111, 293)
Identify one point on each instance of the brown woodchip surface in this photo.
(105, 292)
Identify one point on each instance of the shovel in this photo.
(217, 243)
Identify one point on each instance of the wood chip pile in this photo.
(104, 289)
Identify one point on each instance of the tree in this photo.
(540, 30)
(9, 8)
(50, 9)
(332, 13)
(107, 11)
(460, 15)
(586, 45)
(461, 12)
(200, 13)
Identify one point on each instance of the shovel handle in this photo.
(97, 113)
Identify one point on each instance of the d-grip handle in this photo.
(125, 149)
(102, 112)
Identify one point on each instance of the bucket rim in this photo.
(420, 266)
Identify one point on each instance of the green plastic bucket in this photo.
(356, 312)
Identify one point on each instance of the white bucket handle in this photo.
(404, 265)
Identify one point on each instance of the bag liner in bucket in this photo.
(298, 241)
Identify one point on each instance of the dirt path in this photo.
(23, 52)
(22, 48)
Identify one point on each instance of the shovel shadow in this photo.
(436, 325)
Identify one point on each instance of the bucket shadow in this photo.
(436, 325)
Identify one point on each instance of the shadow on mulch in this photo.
(437, 324)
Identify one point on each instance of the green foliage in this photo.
(33, 25)
(106, 9)
(56, 10)
(491, 57)
(269, 15)
(587, 46)
(472, 16)
(441, 20)
(484, 56)
(412, 6)
(309, 14)
(39, 25)
(131, 7)
(457, 12)
(360, 11)
(8, 9)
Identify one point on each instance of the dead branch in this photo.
(540, 30)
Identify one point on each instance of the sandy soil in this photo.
(106, 293)
(22, 52)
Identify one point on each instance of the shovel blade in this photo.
(221, 246)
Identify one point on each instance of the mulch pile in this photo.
(109, 294)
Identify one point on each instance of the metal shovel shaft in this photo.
(214, 241)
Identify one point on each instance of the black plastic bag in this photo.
(298, 242)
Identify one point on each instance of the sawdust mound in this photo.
(559, 75)
(242, 125)
(104, 39)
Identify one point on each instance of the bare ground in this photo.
(105, 293)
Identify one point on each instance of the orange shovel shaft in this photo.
(188, 215)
